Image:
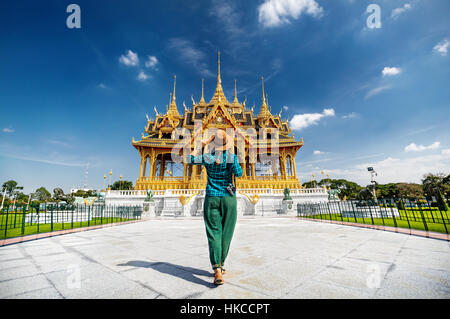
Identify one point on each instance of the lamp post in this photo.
(104, 182)
(29, 199)
(110, 174)
(120, 177)
(3, 198)
(373, 173)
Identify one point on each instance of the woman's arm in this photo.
(236, 168)
(195, 158)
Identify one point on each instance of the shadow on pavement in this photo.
(183, 272)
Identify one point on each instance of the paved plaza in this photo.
(278, 257)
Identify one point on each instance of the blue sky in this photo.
(358, 96)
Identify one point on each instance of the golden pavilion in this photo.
(159, 172)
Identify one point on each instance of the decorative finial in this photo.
(202, 99)
(235, 94)
(156, 111)
(174, 84)
(218, 96)
(264, 98)
(219, 80)
(264, 112)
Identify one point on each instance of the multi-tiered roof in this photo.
(218, 112)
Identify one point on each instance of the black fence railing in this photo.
(413, 214)
(32, 219)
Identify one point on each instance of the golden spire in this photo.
(264, 97)
(235, 102)
(264, 112)
(218, 94)
(219, 80)
(202, 100)
(174, 85)
(173, 106)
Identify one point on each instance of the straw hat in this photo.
(221, 140)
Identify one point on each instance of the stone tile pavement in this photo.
(277, 257)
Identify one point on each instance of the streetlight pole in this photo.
(104, 183)
(120, 177)
(110, 174)
(373, 173)
(3, 198)
(29, 198)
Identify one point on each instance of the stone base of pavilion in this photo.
(189, 202)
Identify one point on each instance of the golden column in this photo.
(295, 167)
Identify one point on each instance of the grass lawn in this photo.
(408, 219)
(14, 228)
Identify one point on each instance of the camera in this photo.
(231, 189)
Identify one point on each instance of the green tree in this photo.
(312, 184)
(11, 188)
(440, 201)
(409, 190)
(347, 188)
(122, 185)
(433, 184)
(42, 194)
(22, 198)
(386, 190)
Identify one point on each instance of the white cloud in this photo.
(350, 116)
(398, 11)
(104, 86)
(317, 152)
(142, 76)
(130, 59)
(390, 169)
(285, 107)
(442, 47)
(190, 55)
(151, 62)
(419, 148)
(377, 90)
(7, 130)
(58, 143)
(273, 13)
(388, 71)
(301, 121)
(409, 169)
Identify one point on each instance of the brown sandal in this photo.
(218, 280)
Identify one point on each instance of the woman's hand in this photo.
(207, 140)
(204, 142)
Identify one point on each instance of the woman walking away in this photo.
(220, 208)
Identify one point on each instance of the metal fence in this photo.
(412, 214)
(32, 219)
